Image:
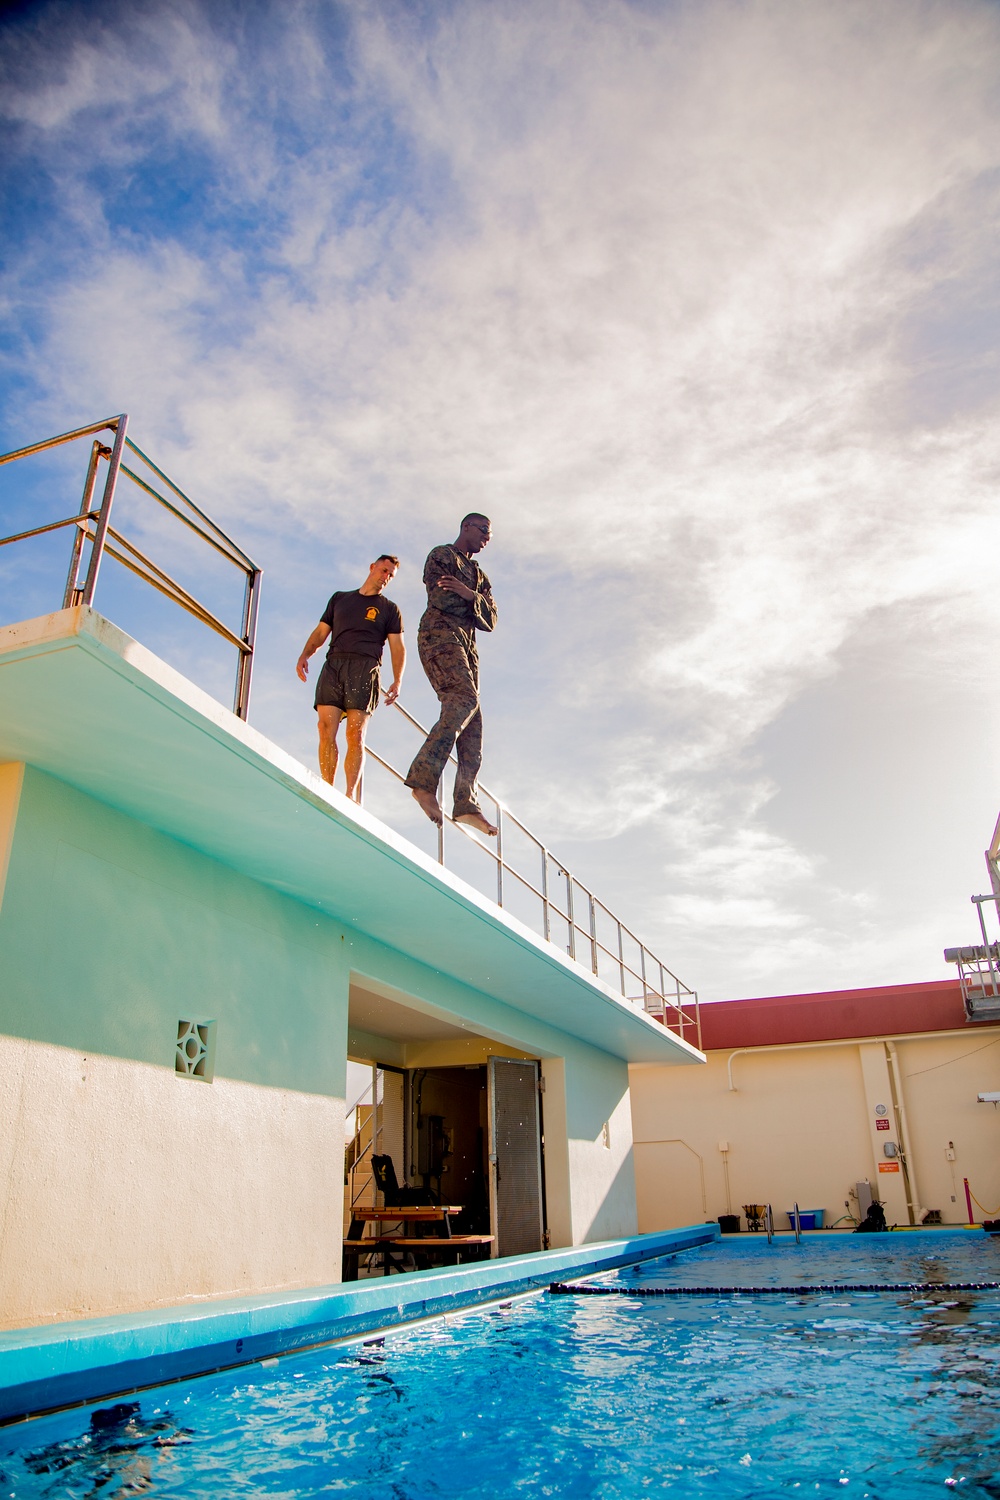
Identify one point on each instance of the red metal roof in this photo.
(887, 1010)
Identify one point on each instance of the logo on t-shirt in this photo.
(371, 614)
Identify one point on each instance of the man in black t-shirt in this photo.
(357, 624)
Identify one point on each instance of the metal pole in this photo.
(54, 442)
(440, 826)
(769, 1223)
(663, 996)
(97, 451)
(104, 517)
(244, 671)
(499, 855)
(569, 913)
(545, 895)
(593, 933)
(621, 962)
(795, 1221)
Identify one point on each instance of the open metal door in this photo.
(515, 1145)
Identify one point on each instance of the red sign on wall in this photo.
(881, 1124)
(888, 1166)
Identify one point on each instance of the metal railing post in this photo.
(569, 913)
(440, 827)
(499, 855)
(593, 933)
(545, 895)
(104, 515)
(621, 959)
(244, 671)
(72, 589)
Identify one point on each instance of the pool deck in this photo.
(69, 1364)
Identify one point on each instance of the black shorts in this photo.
(348, 682)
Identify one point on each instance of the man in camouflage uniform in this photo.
(459, 603)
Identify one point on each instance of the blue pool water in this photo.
(882, 1395)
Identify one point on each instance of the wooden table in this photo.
(408, 1213)
(412, 1216)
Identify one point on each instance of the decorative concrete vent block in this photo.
(195, 1053)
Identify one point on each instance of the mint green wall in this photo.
(111, 932)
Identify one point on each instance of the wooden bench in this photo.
(434, 1249)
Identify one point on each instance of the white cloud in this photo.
(645, 283)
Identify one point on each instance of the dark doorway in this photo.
(446, 1140)
(474, 1138)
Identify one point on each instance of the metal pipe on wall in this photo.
(676, 1141)
(909, 1171)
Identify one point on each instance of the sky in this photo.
(698, 301)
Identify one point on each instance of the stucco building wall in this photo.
(802, 1126)
(126, 1184)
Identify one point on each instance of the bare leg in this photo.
(476, 820)
(328, 723)
(429, 803)
(354, 755)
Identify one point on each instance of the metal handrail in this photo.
(672, 1002)
(93, 524)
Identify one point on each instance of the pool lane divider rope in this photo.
(570, 1289)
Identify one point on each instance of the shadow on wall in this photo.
(615, 1216)
(669, 1184)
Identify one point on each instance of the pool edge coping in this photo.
(60, 1365)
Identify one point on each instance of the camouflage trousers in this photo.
(449, 658)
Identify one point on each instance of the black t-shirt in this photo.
(359, 623)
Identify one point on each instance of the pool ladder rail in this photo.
(763, 1215)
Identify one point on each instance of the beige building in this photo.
(806, 1096)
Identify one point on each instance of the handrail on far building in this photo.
(93, 524)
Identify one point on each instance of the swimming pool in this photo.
(865, 1393)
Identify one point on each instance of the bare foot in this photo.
(430, 805)
(476, 820)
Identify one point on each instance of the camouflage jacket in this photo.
(448, 609)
